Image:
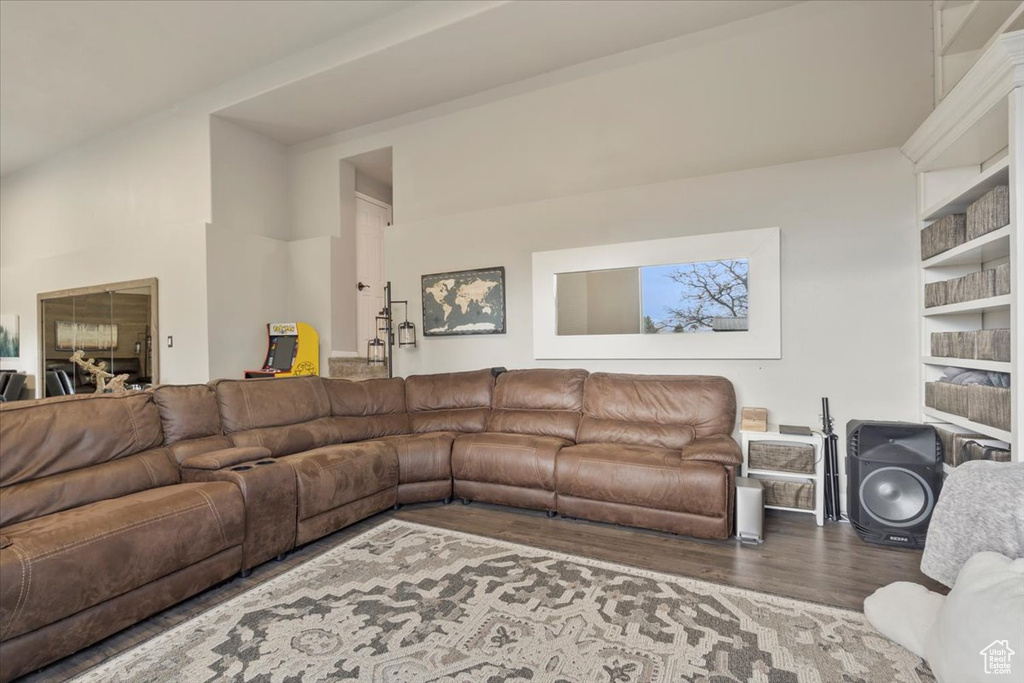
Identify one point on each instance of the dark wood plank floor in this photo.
(827, 564)
(799, 559)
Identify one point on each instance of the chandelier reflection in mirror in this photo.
(379, 351)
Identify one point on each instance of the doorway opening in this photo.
(373, 207)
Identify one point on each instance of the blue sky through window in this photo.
(689, 295)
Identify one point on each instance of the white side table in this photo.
(817, 440)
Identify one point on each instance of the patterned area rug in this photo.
(409, 603)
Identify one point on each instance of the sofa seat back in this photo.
(286, 416)
(374, 409)
(191, 419)
(61, 453)
(663, 411)
(369, 409)
(449, 402)
(539, 402)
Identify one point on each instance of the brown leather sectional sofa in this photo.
(113, 508)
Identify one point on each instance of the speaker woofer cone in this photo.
(896, 497)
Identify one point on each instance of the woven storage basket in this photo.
(941, 344)
(935, 294)
(989, 213)
(993, 345)
(980, 285)
(1002, 279)
(963, 344)
(949, 398)
(944, 234)
(989, 405)
(953, 344)
(790, 494)
(784, 456)
(952, 445)
(978, 451)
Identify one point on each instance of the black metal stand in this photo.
(831, 455)
(386, 324)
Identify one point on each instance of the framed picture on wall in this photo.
(464, 302)
(86, 336)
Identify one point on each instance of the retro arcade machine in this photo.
(292, 349)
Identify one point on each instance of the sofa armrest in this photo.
(718, 448)
(226, 457)
(4, 541)
(269, 490)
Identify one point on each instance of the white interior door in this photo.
(371, 219)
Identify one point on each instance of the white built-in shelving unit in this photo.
(964, 30)
(972, 142)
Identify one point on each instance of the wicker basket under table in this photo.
(791, 469)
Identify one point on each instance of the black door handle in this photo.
(361, 286)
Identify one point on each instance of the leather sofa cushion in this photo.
(254, 404)
(542, 402)
(289, 439)
(121, 477)
(540, 389)
(664, 411)
(465, 420)
(368, 397)
(63, 563)
(652, 434)
(423, 457)
(336, 475)
(187, 411)
(447, 391)
(455, 401)
(642, 476)
(350, 429)
(49, 436)
(507, 459)
(368, 409)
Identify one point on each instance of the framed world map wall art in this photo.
(464, 302)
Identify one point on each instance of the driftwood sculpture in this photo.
(106, 383)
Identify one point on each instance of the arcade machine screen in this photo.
(284, 353)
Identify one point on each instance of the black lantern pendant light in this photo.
(379, 350)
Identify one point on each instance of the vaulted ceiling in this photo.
(74, 69)
(71, 70)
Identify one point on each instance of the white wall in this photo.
(310, 295)
(132, 205)
(248, 263)
(790, 85)
(266, 262)
(373, 188)
(247, 279)
(849, 251)
(343, 263)
(248, 180)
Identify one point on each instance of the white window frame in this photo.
(761, 247)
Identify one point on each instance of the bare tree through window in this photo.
(710, 296)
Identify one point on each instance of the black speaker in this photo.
(893, 478)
